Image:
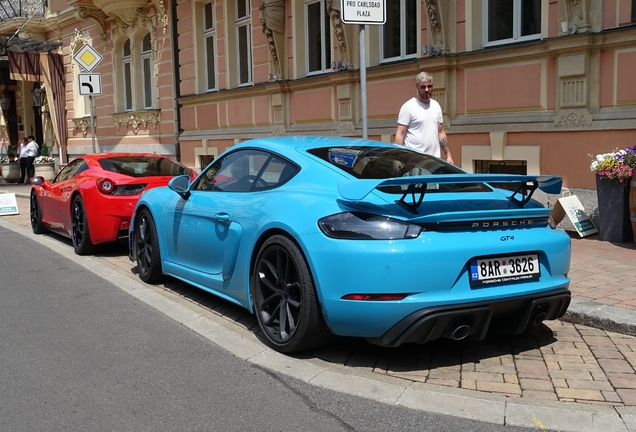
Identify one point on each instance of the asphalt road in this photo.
(77, 353)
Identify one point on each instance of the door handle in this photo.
(222, 217)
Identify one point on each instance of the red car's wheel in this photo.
(285, 299)
(80, 233)
(36, 215)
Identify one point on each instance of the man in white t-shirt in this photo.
(24, 161)
(420, 121)
(32, 149)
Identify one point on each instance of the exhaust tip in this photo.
(538, 318)
(458, 332)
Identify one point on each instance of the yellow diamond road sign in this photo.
(88, 57)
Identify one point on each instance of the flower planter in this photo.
(46, 170)
(632, 204)
(11, 172)
(613, 209)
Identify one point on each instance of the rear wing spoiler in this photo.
(357, 190)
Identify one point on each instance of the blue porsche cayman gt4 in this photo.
(322, 236)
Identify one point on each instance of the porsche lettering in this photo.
(499, 224)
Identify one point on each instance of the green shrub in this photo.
(44, 150)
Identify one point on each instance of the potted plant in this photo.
(10, 166)
(614, 172)
(44, 165)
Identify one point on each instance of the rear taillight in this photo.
(107, 187)
(375, 297)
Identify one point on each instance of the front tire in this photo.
(284, 298)
(36, 215)
(80, 234)
(147, 254)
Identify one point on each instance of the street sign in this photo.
(8, 204)
(90, 84)
(88, 57)
(363, 12)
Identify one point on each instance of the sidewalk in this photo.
(572, 374)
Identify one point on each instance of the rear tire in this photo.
(36, 215)
(80, 234)
(284, 298)
(147, 254)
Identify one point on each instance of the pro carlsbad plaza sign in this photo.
(363, 12)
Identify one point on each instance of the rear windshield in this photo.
(384, 162)
(144, 166)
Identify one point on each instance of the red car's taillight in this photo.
(105, 186)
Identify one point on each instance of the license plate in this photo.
(497, 270)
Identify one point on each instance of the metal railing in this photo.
(12, 9)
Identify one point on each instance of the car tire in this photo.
(80, 233)
(284, 298)
(147, 254)
(36, 215)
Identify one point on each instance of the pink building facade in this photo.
(525, 86)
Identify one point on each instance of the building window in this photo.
(146, 62)
(209, 34)
(126, 59)
(399, 33)
(511, 21)
(243, 42)
(318, 28)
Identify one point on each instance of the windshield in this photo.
(144, 166)
(365, 162)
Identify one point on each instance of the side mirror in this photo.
(38, 181)
(181, 185)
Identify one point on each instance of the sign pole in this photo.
(363, 13)
(90, 98)
(363, 82)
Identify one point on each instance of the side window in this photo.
(399, 33)
(318, 27)
(126, 60)
(146, 78)
(209, 34)
(245, 171)
(508, 21)
(76, 166)
(243, 42)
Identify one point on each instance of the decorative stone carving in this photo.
(94, 14)
(436, 26)
(279, 130)
(273, 22)
(578, 15)
(125, 10)
(82, 124)
(345, 129)
(576, 119)
(136, 120)
(333, 9)
(3, 130)
(162, 15)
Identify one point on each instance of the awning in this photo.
(26, 45)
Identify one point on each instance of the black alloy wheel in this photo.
(146, 244)
(284, 298)
(80, 234)
(36, 215)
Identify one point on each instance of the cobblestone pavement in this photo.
(559, 361)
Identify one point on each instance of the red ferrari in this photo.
(91, 200)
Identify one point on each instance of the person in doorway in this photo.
(22, 149)
(32, 149)
(420, 121)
